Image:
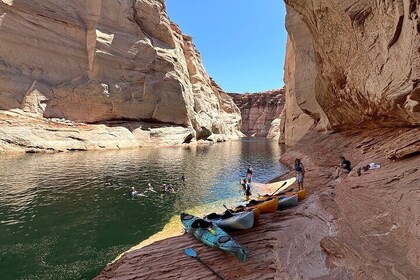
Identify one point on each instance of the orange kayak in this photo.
(301, 194)
(268, 206)
(256, 215)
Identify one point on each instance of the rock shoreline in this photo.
(354, 227)
(22, 132)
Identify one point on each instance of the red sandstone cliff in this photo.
(351, 64)
(260, 112)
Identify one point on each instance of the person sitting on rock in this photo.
(344, 167)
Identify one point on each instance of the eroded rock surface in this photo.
(352, 64)
(24, 132)
(104, 60)
(260, 112)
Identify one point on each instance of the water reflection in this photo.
(66, 215)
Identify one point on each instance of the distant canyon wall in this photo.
(260, 112)
(105, 60)
(351, 64)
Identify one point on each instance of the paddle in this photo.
(279, 188)
(224, 205)
(193, 254)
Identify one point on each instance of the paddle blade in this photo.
(279, 188)
(190, 252)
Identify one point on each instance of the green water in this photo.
(65, 216)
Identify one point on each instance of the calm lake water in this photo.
(65, 216)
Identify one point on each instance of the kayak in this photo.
(213, 236)
(301, 194)
(288, 201)
(232, 221)
(275, 188)
(268, 205)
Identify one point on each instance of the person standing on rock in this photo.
(243, 183)
(300, 173)
(249, 173)
(248, 191)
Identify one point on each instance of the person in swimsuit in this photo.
(249, 172)
(300, 173)
(150, 188)
(248, 191)
(243, 184)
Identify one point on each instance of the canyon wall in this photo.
(260, 112)
(105, 60)
(351, 64)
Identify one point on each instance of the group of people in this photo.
(343, 167)
(134, 193)
(165, 188)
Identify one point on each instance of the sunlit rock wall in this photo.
(260, 112)
(95, 61)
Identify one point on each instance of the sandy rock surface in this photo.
(353, 227)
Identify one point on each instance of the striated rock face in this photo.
(260, 112)
(25, 132)
(352, 64)
(96, 61)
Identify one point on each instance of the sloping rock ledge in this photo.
(353, 227)
(25, 132)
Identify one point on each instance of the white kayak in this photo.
(288, 201)
(233, 221)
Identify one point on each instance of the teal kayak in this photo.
(232, 221)
(213, 236)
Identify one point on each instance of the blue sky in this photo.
(242, 42)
